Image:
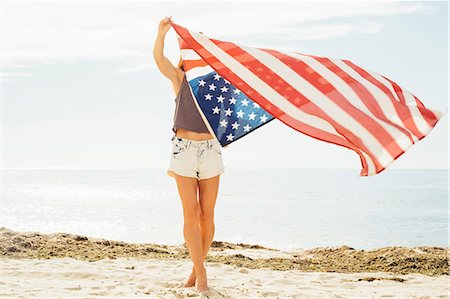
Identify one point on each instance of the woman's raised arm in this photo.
(164, 64)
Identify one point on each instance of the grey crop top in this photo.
(186, 114)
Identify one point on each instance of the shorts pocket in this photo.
(217, 148)
(178, 146)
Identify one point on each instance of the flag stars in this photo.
(231, 107)
(223, 123)
(228, 112)
(216, 110)
(263, 118)
(230, 137)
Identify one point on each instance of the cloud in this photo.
(38, 33)
(6, 77)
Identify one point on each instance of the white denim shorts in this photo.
(201, 159)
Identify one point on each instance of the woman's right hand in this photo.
(164, 25)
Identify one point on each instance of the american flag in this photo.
(238, 89)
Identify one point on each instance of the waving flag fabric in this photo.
(239, 89)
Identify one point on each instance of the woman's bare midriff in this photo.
(183, 133)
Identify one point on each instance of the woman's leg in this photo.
(208, 190)
(187, 189)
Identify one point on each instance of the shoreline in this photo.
(62, 265)
(427, 260)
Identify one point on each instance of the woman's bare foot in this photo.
(201, 284)
(191, 280)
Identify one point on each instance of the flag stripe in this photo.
(365, 98)
(341, 118)
(411, 116)
(328, 99)
(349, 100)
(372, 166)
(248, 78)
(381, 97)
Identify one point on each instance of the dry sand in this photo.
(36, 265)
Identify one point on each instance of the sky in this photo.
(80, 89)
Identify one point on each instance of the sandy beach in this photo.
(61, 265)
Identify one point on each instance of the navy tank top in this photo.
(186, 114)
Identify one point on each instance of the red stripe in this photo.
(430, 114)
(190, 64)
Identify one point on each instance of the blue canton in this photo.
(229, 111)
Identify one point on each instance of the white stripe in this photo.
(269, 93)
(400, 137)
(189, 54)
(199, 71)
(371, 170)
(417, 117)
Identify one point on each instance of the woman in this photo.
(196, 164)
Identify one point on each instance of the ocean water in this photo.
(280, 208)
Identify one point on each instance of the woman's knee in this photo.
(192, 215)
(207, 216)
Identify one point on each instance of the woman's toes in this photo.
(201, 289)
(201, 285)
(190, 281)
